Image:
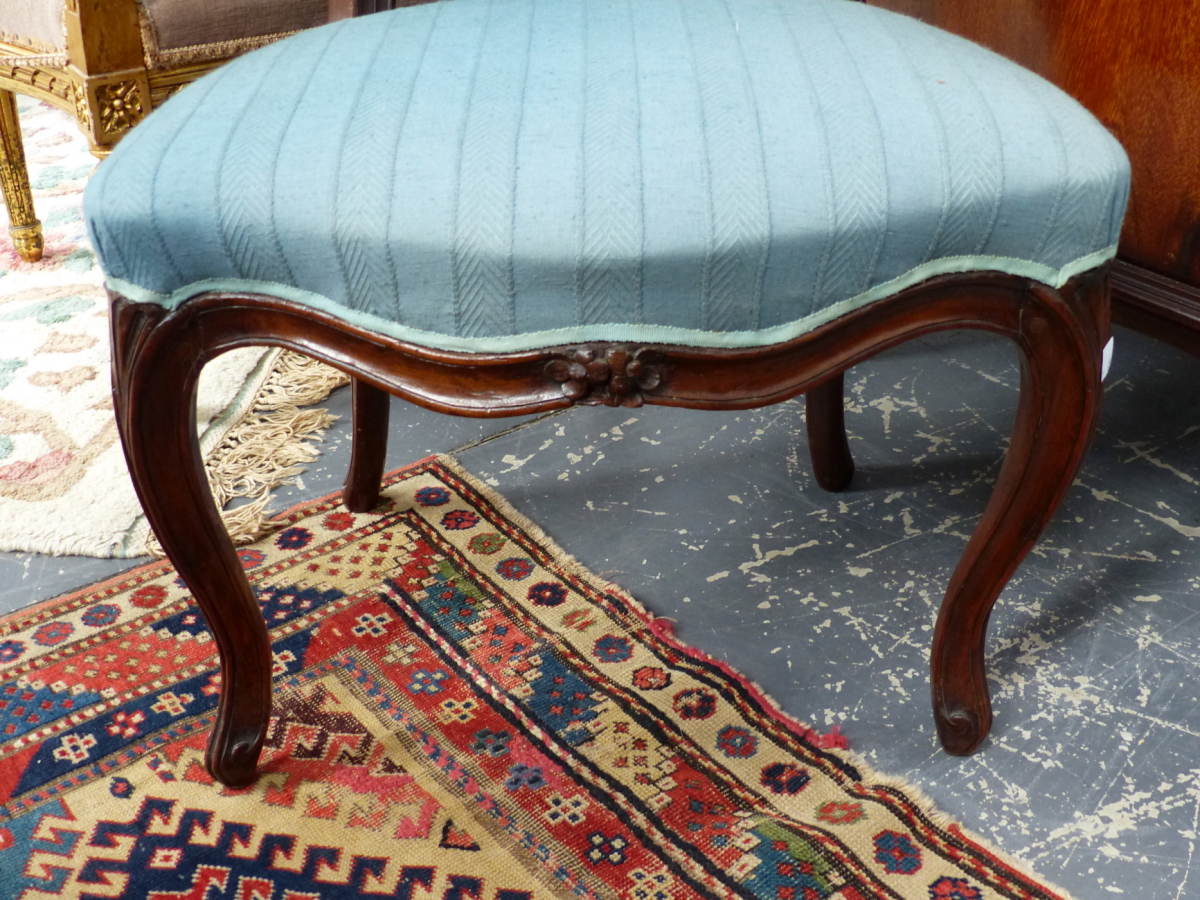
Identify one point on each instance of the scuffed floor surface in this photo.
(1092, 772)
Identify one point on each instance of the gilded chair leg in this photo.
(368, 446)
(1056, 415)
(154, 394)
(24, 226)
(824, 418)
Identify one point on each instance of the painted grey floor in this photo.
(1092, 772)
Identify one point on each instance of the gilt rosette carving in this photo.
(609, 375)
(120, 105)
(113, 108)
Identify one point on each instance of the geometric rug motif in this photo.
(461, 712)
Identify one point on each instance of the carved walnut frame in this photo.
(158, 355)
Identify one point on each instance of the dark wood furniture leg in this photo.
(825, 421)
(158, 356)
(158, 431)
(1056, 417)
(368, 447)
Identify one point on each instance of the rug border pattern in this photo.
(934, 830)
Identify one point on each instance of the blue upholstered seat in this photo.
(506, 174)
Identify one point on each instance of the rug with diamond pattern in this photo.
(461, 713)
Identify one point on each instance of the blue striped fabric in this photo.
(505, 174)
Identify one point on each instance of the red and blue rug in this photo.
(461, 713)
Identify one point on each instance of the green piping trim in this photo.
(622, 332)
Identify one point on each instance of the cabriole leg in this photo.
(154, 392)
(1056, 415)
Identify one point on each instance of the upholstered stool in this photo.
(494, 207)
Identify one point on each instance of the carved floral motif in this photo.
(613, 376)
(120, 105)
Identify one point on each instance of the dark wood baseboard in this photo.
(1153, 304)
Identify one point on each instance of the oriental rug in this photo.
(59, 451)
(461, 713)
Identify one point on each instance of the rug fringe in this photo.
(270, 446)
(299, 380)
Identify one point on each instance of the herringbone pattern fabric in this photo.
(504, 174)
(612, 220)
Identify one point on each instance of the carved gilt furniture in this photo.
(109, 62)
(529, 204)
(1137, 68)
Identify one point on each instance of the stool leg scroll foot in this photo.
(1056, 415)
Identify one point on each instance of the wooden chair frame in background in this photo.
(158, 355)
(107, 83)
